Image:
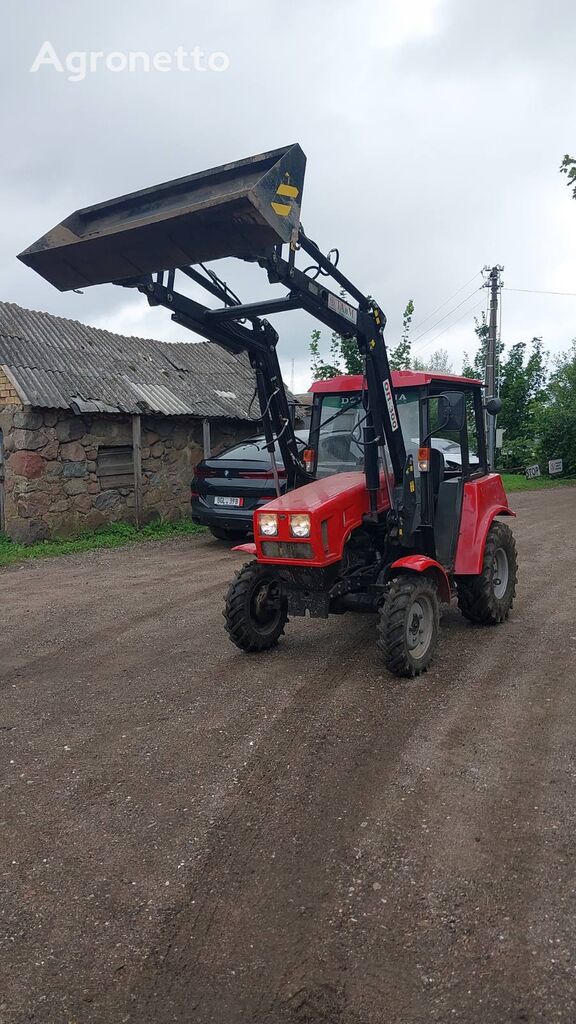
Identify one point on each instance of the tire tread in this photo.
(476, 598)
(238, 625)
(391, 638)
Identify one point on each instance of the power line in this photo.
(445, 303)
(467, 312)
(536, 291)
(449, 313)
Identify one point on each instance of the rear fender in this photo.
(427, 567)
(484, 499)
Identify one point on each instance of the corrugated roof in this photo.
(62, 364)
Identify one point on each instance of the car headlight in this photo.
(268, 524)
(300, 525)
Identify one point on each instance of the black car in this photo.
(228, 487)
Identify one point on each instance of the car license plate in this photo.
(235, 502)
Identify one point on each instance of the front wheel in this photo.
(408, 627)
(486, 599)
(255, 610)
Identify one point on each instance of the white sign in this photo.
(532, 471)
(390, 404)
(555, 466)
(343, 308)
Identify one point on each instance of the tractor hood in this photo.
(336, 505)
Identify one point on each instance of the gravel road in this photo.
(194, 835)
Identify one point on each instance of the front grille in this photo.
(286, 549)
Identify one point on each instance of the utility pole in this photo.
(490, 378)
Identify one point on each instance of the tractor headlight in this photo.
(300, 526)
(268, 524)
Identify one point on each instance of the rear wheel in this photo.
(408, 627)
(230, 535)
(487, 598)
(255, 610)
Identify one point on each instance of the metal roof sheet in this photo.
(62, 364)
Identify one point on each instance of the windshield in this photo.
(340, 441)
(340, 447)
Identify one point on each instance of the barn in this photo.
(96, 427)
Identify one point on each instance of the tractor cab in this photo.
(445, 452)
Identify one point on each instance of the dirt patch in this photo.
(190, 834)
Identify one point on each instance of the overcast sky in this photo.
(433, 129)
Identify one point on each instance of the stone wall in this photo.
(52, 485)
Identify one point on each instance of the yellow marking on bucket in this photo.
(287, 190)
(282, 209)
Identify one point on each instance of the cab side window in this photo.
(451, 444)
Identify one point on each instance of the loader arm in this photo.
(258, 341)
(249, 209)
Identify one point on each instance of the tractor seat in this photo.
(437, 470)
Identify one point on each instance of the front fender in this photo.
(428, 567)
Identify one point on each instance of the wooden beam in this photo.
(137, 457)
(206, 438)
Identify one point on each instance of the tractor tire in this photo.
(408, 626)
(255, 611)
(486, 599)
(229, 535)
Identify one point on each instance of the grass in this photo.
(516, 482)
(113, 536)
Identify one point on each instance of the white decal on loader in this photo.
(343, 308)
(390, 404)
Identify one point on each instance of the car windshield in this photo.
(254, 449)
(444, 444)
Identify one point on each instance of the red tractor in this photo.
(387, 511)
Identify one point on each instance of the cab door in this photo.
(450, 467)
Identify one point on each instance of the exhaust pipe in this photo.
(239, 209)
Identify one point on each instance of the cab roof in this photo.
(400, 379)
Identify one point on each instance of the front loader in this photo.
(375, 518)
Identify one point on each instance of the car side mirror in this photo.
(451, 410)
(493, 406)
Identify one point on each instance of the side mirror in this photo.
(493, 406)
(451, 410)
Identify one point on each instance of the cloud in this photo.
(433, 130)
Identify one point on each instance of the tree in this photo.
(568, 167)
(477, 366)
(556, 417)
(521, 375)
(344, 355)
(400, 357)
(436, 362)
(522, 389)
(320, 369)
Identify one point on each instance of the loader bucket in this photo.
(238, 209)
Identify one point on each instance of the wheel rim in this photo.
(419, 626)
(265, 608)
(500, 573)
